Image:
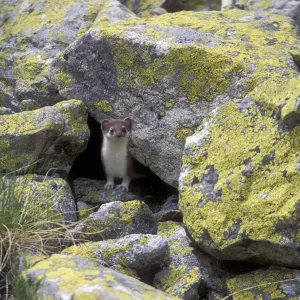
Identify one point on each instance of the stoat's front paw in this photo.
(109, 186)
(122, 187)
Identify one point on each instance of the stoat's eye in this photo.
(111, 131)
(124, 130)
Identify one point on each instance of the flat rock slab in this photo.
(239, 186)
(138, 252)
(92, 191)
(168, 72)
(73, 277)
(115, 220)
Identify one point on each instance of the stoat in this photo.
(116, 158)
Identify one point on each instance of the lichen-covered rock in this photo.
(92, 191)
(189, 273)
(139, 252)
(112, 12)
(84, 210)
(51, 137)
(239, 186)
(73, 277)
(169, 211)
(272, 283)
(32, 33)
(167, 73)
(289, 8)
(52, 193)
(117, 219)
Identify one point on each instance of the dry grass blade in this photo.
(30, 221)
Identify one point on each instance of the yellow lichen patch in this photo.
(64, 80)
(52, 13)
(183, 133)
(75, 115)
(178, 279)
(86, 250)
(131, 208)
(28, 67)
(103, 106)
(196, 80)
(83, 279)
(263, 284)
(241, 42)
(253, 203)
(275, 92)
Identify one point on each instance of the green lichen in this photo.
(131, 208)
(144, 240)
(75, 115)
(61, 37)
(263, 283)
(233, 138)
(193, 78)
(51, 14)
(109, 252)
(64, 80)
(178, 274)
(86, 250)
(171, 168)
(103, 106)
(81, 32)
(183, 133)
(29, 67)
(21, 124)
(73, 278)
(169, 104)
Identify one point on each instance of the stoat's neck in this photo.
(115, 143)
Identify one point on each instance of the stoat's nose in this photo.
(119, 135)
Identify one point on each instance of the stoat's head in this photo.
(116, 129)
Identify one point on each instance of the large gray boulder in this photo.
(73, 277)
(46, 139)
(239, 185)
(167, 73)
(32, 33)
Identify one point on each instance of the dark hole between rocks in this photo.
(88, 165)
(178, 5)
(239, 267)
(148, 276)
(296, 59)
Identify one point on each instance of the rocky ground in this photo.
(214, 97)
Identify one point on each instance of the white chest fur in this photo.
(114, 157)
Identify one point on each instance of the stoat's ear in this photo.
(128, 123)
(104, 124)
